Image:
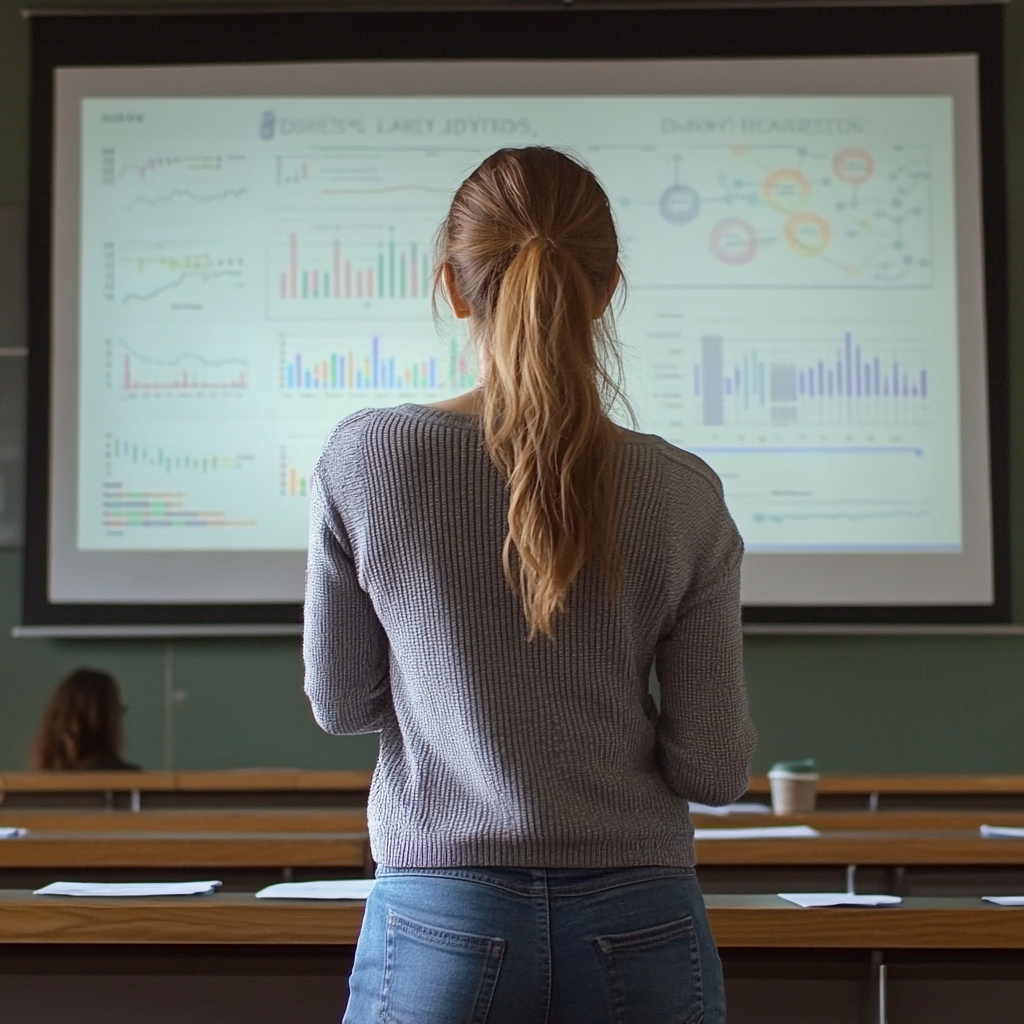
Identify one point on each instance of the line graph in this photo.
(145, 168)
(146, 271)
(186, 194)
(366, 171)
(852, 517)
(122, 452)
(185, 371)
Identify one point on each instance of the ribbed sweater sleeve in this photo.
(705, 736)
(497, 750)
(345, 648)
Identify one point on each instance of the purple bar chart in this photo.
(809, 383)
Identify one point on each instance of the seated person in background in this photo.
(81, 727)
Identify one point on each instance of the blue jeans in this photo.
(536, 946)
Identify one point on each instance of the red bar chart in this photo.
(337, 266)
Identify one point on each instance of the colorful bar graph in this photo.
(296, 483)
(398, 272)
(373, 370)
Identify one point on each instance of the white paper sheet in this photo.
(838, 899)
(336, 889)
(12, 833)
(127, 889)
(765, 832)
(1002, 832)
(723, 812)
(1006, 901)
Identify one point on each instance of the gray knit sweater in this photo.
(499, 751)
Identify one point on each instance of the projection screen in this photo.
(242, 256)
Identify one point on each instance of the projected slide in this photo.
(254, 269)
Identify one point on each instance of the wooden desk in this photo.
(768, 922)
(749, 922)
(908, 863)
(866, 821)
(290, 787)
(76, 850)
(331, 819)
(284, 787)
(868, 848)
(221, 918)
(341, 819)
(269, 820)
(278, 779)
(905, 791)
(285, 779)
(782, 963)
(864, 785)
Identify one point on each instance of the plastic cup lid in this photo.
(808, 766)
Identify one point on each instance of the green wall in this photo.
(893, 704)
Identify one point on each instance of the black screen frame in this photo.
(160, 38)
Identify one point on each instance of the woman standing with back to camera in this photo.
(490, 580)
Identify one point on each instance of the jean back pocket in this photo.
(436, 976)
(654, 974)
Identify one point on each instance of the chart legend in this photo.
(127, 509)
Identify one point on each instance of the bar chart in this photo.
(329, 365)
(297, 457)
(782, 382)
(337, 264)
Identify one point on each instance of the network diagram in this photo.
(799, 215)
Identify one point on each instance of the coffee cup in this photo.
(794, 786)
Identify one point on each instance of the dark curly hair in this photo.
(81, 726)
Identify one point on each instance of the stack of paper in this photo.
(722, 812)
(838, 899)
(13, 833)
(765, 832)
(1002, 832)
(337, 889)
(127, 889)
(1006, 901)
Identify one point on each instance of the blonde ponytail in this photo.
(532, 246)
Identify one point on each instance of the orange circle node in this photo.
(808, 234)
(853, 166)
(786, 189)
